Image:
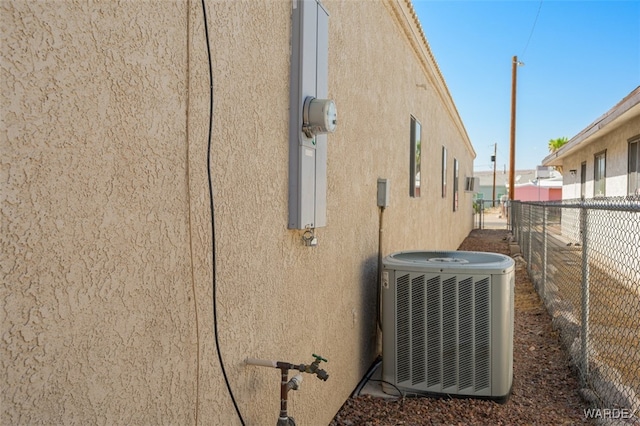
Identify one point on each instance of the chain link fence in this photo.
(583, 257)
(481, 208)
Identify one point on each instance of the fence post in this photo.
(512, 222)
(585, 293)
(543, 283)
(509, 212)
(530, 231)
(519, 221)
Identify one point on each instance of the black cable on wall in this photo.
(213, 229)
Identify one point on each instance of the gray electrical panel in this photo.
(307, 155)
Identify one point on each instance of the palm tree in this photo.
(556, 144)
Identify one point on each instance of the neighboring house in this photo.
(599, 163)
(546, 186)
(485, 187)
(603, 160)
(531, 185)
(542, 190)
(117, 302)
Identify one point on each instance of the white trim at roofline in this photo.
(630, 104)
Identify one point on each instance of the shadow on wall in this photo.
(368, 327)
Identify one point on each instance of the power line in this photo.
(532, 28)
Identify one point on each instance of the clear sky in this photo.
(581, 59)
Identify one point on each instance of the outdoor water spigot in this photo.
(318, 359)
(295, 382)
(313, 368)
(322, 375)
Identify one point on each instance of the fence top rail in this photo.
(629, 204)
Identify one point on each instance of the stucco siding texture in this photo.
(616, 144)
(108, 269)
(96, 324)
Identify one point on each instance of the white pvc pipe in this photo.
(261, 362)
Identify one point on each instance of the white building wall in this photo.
(613, 238)
(615, 142)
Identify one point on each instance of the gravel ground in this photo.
(545, 389)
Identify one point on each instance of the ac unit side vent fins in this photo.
(449, 333)
(418, 330)
(443, 331)
(403, 330)
(465, 304)
(434, 337)
(483, 335)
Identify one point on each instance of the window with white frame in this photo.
(583, 180)
(633, 185)
(599, 174)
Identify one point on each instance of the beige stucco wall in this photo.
(106, 227)
(97, 316)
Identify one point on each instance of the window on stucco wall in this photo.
(599, 174)
(414, 163)
(583, 180)
(634, 167)
(444, 172)
(455, 184)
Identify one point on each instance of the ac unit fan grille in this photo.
(452, 315)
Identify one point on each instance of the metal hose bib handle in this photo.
(286, 385)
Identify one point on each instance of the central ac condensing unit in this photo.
(447, 323)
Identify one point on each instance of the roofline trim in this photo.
(626, 104)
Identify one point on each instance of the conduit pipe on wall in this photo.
(378, 297)
(383, 202)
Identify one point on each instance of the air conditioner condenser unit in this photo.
(447, 323)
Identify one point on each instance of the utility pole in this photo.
(512, 151)
(495, 151)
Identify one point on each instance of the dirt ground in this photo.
(545, 389)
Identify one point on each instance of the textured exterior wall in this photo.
(615, 142)
(97, 307)
(106, 227)
(608, 232)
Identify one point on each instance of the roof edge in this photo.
(408, 18)
(626, 104)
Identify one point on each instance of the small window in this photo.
(583, 180)
(599, 174)
(455, 185)
(634, 167)
(471, 184)
(414, 165)
(444, 172)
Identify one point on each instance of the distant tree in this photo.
(556, 144)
